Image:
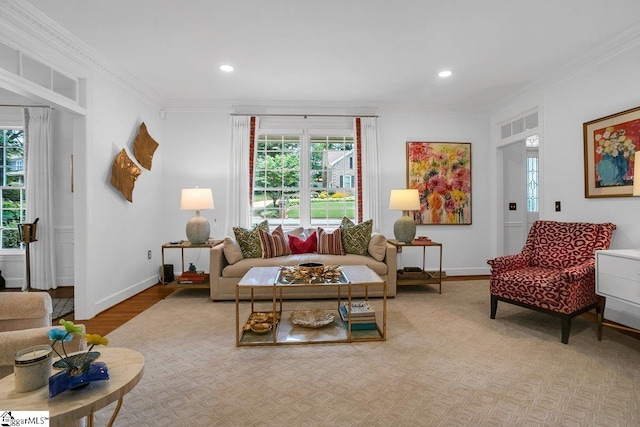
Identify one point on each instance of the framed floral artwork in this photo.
(609, 147)
(441, 172)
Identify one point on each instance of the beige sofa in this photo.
(224, 276)
(25, 320)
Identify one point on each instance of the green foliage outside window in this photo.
(12, 186)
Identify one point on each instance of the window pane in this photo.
(332, 159)
(12, 186)
(276, 177)
(532, 184)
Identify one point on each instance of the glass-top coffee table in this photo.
(343, 318)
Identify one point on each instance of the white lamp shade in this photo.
(196, 199)
(404, 200)
(636, 174)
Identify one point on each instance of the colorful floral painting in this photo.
(610, 146)
(441, 172)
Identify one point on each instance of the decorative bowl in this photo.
(311, 318)
(261, 328)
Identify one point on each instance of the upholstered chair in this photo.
(25, 320)
(554, 273)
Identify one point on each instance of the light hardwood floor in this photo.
(117, 315)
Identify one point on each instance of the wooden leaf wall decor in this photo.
(143, 147)
(124, 174)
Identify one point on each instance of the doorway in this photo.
(519, 172)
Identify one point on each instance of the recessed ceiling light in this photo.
(226, 68)
(445, 73)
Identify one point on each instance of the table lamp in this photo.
(404, 200)
(198, 199)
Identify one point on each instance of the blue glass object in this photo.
(63, 380)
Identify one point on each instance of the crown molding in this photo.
(623, 41)
(26, 28)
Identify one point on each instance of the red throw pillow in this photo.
(307, 246)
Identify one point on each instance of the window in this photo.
(12, 186)
(532, 144)
(304, 178)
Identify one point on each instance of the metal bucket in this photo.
(27, 232)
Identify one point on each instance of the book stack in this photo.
(193, 277)
(363, 316)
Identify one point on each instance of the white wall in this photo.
(465, 248)
(584, 95)
(198, 146)
(197, 153)
(606, 89)
(118, 233)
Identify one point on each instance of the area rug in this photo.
(61, 307)
(445, 363)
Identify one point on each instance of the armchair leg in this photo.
(494, 306)
(566, 328)
(600, 315)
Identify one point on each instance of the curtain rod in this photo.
(304, 115)
(25, 106)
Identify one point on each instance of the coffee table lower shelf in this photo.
(289, 333)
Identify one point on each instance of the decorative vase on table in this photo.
(612, 170)
(79, 369)
(68, 379)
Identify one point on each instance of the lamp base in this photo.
(198, 229)
(404, 229)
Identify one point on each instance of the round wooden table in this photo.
(125, 371)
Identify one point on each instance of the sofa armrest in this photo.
(25, 310)
(391, 259)
(217, 262)
(13, 341)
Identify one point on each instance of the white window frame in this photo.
(305, 173)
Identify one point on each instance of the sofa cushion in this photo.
(377, 247)
(355, 237)
(330, 243)
(231, 249)
(249, 240)
(303, 246)
(273, 244)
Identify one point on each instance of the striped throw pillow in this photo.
(273, 244)
(330, 243)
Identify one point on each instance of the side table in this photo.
(182, 245)
(420, 277)
(125, 371)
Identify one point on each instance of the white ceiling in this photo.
(356, 52)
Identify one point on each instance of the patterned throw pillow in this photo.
(355, 238)
(303, 246)
(273, 244)
(330, 243)
(249, 241)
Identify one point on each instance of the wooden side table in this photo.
(421, 277)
